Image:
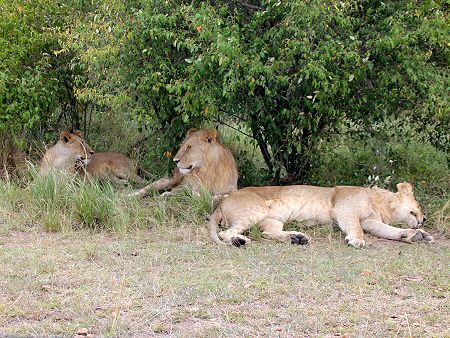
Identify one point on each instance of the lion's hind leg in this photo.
(273, 229)
(383, 230)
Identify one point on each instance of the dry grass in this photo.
(157, 283)
(442, 219)
(154, 273)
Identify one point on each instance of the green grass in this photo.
(64, 202)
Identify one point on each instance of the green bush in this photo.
(384, 163)
(374, 160)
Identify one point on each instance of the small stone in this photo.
(45, 287)
(82, 331)
(194, 308)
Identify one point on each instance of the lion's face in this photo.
(193, 149)
(76, 147)
(405, 207)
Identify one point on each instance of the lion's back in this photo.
(108, 161)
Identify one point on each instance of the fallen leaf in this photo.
(366, 272)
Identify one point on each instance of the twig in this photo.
(118, 306)
(409, 327)
(216, 119)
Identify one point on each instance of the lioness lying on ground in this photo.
(202, 162)
(66, 153)
(353, 208)
(112, 166)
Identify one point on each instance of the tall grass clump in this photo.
(64, 201)
(180, 215)
(442, 219)
(11, 200)
(9, 195)
(53, 191)
(95, 205)
(192, 208)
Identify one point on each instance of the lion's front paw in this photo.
(356, 243)
(417, 236)
(238, 241)
(299, 239)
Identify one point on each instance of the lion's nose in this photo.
(91, 152)
(424, 219)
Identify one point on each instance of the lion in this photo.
(112, 166)
(66, 153)
(202, 163)
(354, 209)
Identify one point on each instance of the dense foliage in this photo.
(288, 73)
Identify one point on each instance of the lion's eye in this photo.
(413, 213)
(188, 147)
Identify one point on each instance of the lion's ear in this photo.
(191, 131)
(212, 135)
(65, 136)
(405, 188)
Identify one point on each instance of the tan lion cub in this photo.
(66, 153)
(112, 166)
(355, 209)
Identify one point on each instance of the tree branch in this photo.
(250, 6)
(263, 147)
(216, 119)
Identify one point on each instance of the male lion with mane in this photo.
(66, 153)
(354, 209)
(203, 163)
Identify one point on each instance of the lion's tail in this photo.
(145, 173)
(214, 221)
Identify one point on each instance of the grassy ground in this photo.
(170, 281)
(77, 254)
